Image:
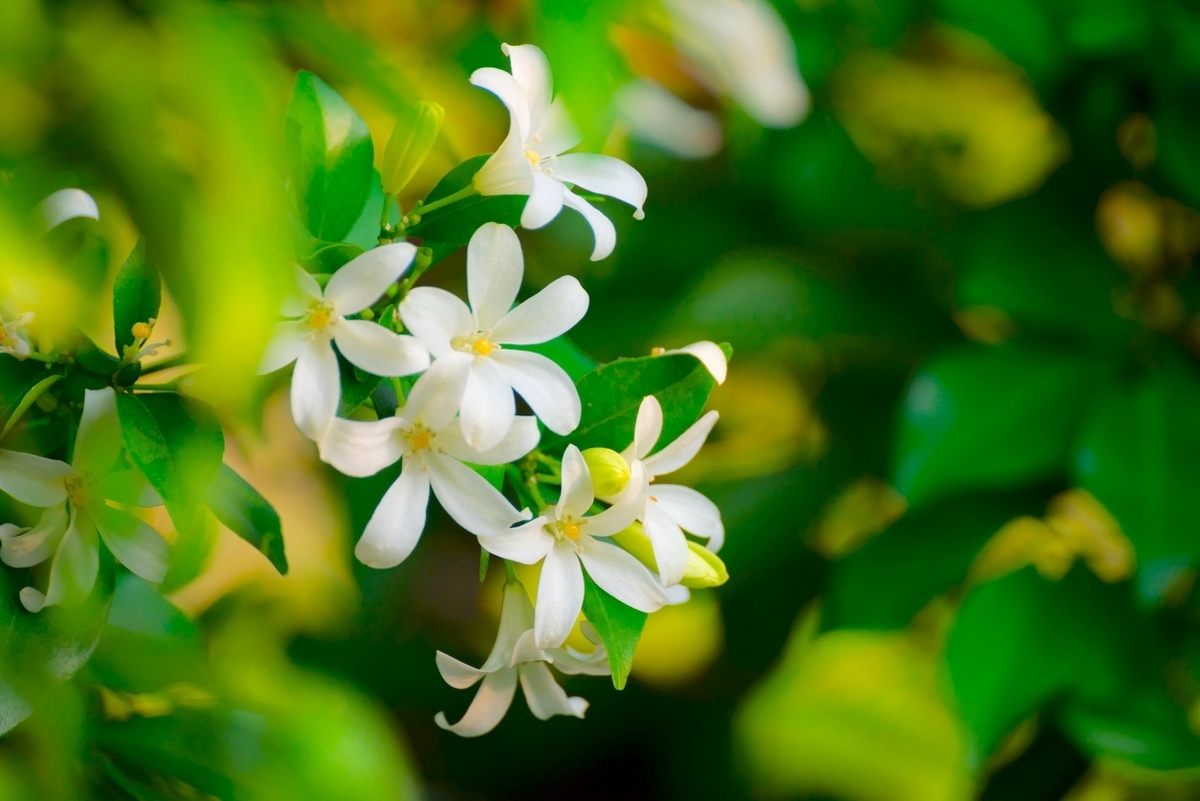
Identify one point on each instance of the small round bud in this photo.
(142, 330)
(636, 542)
(704, 568)
(417, 128)
(367, 314)
(610, 471)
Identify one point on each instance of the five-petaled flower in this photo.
(76, 499)
(533, 161)
(515, 658)
(469, 342)
(308, 341)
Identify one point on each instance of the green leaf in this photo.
(239, 506)
(137, 294)
(494, 473)
(355, 390)
(1142, 725)
(30, 397)
(587, 68)
(447, 229)
(619, 627)
(1137, 455)
(329, 155)
(990, 417)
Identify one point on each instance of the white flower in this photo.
(13, 337)
(671, 509)
(308, 341)
(658, 117)
(515, 658)
(468, 342)
(67, 204)
(530, 161)
(743, 50)
(570, 540)
(75, 497)
(425, 435)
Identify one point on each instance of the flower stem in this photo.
(41, 357)
(462, 194)
(166, 364)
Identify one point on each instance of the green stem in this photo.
(510, 572)
(399, 390)
(177, 360)
(170, 386)
(384, 222)
(40, 357)
(462, 194)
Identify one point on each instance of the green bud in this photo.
(416, 130)
(610, 471)
(704, 568)
(634, 540)
(367, 314)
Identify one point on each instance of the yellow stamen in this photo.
(421, 440)
(142, 330)
(571, 531)
(483, 347)
(319, 317)
(533, 157)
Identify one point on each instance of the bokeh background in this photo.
(959, 451)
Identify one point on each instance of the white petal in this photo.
(683, 449)
(495, 267)
(659, 118)
(669, 544)
(604, 175)
(135, 544)
(544, 385)
(548, 314)
(398, 521)
(316, 388)
(577, 490)
(38, 543)
(572, 662)
(545, 698)
(602, 228)
(284, 346)
(710, 355)
(690, 510)
(34, 480)
(308, 292)
(435, 317)
(457, 674)
(511, 94)
(557, 132)
(531, 71)
(677, 595)
(545, 202)
(560, 596)
(362, 448)
(68, 204)
(365, 278)
(516, 621)
(646, 430)
(520, 440)
(488, 408)
(620, 575)
(76, 563)
(527, 543)
(377, 350)
(621, 515)
(467, 497)
(507, 172)
(98, 441)
(437, 394)
(487, 709)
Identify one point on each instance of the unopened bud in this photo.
(142, 330)
(610, 471)
(704, 568)
(416, 130)
(635, 540)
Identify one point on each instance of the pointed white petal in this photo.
(488, 408)
(668, 542)
(531, 71)
(98, 441)
(377, 350)
(511, 94)
(572, 662)
(548, 314)
(526, 650)
(284, 346)
(557, 132)
(710, 355)
(394, 529)
(365, 278)
(76, 562)
(458, 675)
(690, 510)
(545, 698)
(495, 267)
(604, 175)
(520, 440)
(33, 599)
(647, 429)
(467, 497)
(516, 620)
(560, 596)
(602, 228)
(659, 118)
(544, 385)
(20, 548)
(68, 204)
(436, 317)
(362, 448)
(437, 394)
(34, 480)
(316, 388)
(630, 504)
(507, 172)
(527, 543)
(683, 449)
(677, 595)
(620, 575)
(135, 544)
(545, 202)
(308, 292)
(577, 490)
(487, 709)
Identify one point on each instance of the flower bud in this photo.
(634, 540)
(704, 568)
(610, 471)
(416, 130)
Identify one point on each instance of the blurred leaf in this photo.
(1021, 29)
(13, 709)
(329, 154)
(137, 294)
(447, 229)
(586, 66)
(30, 397)
(1142, 724)
(618, 625)
(239, 506)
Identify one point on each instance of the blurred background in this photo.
(958, 458)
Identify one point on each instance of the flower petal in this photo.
(710, 355)
(520, 440)
(284, 346)
(436, 317)
(38, 543)
(467, 496)
(690, 510)
(308, 292)
(560, 596)
(620, 575)
(75, 566)
(669, 544)
(316, 388)
(507, 172)
(362, 448)
(578, 493)
(557, 132)
(572, 662)
(437, 394)
(545, 202)
(365, 278)
(457, 674)
(683, 449)
(516, 620)
(68, 204)
(602, 228)
(135, 544)
(488, 408)
(495, 266)
(646, 430)
(531, 71)
(527, 543)
(548, 314)
(398, 521)
(488, 708)
(628, 506)
(544, 385)
(34, 480)
(545, 698)
(377, 350)
(659, 118)
(98, 441)
(604, 175)
(504, 86)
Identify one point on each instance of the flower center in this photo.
(419, 438)
(477, 344)
(319, 316)
(533, 158)
(569, 529)
(77, 490)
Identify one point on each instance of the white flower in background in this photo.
(308, 341)
(515, 658)
(425, 435)
(659, 118)
(533, 161)
(671, 509)
(709, 354)
(75, 498)
(469, 342)
(742, 49)
(569, 540)
(67, 204)
(13, 338)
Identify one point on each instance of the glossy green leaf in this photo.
(618, 625)
(239, 506)
(447, 229)
(137, 294)
(329, 155)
